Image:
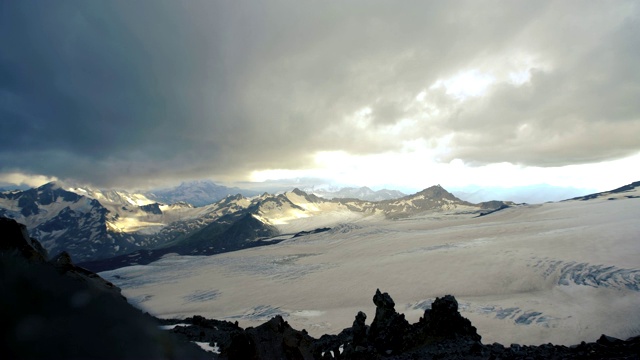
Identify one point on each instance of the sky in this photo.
(141, 94)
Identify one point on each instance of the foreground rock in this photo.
(57, 310)
(442, 333)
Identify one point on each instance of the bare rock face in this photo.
(15, 239)
(275, 339)
(57, 310)
(442, 333)
(360, 330)
(65, 266)
(444, 319)
(388, 329)
(63, 259)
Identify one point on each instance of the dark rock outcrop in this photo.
(57, 310)
(444, 320)
(275, 339)
(151, 208)
(388, 331)
(359, 330)
(442, 333)
(15, 239)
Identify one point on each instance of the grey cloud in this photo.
(386, 112)
(583, 110)
(120, 93)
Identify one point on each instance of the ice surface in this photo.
(205, 346)
(557, 272)
(170, 327)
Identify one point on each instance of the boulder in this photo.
(275, 339)
(444, 320)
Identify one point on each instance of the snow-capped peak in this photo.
(119, 197)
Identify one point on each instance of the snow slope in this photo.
(135, 213)
(557, 272)
(296, 211)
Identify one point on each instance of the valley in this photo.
(531, 274)
(559, 272)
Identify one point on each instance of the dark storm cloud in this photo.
(119, 93)
(87, 87)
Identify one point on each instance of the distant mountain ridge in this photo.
(99, 224)
(628, 191)
(197, 193)
(63, 220)
(361, 193)
(242, 222)
(531, 194)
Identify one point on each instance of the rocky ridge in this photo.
(441, 333)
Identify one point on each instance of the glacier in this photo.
(558, 272)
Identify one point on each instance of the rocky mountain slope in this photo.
(432, 199)
(65, 221)
(53, 309)
(94, 224)
(630, 191)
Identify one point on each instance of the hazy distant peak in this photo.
(361, 193)
(235, 196)
(437, 191)
(298, 192)
(197, 193)
(531, 194)
(53, 185)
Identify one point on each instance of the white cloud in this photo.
(415, 169)
(465, 84)
(18, 178)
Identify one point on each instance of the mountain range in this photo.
(93, 224)
(197, 193)
(361, 193)
(532, 194)
(108, 228)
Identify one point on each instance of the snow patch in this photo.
(170, 327)
(206, 347)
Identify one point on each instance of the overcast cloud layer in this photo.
(122, 93)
